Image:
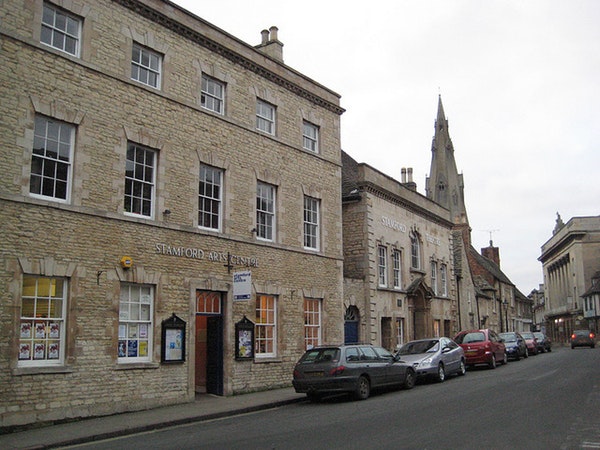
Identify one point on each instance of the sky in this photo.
(520, 85)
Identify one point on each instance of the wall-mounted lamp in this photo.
(166, 212)
(253, 230)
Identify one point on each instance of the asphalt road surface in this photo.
(548, 401)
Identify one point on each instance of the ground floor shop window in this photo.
(42, 325)
(135, 323)
(312, 322)
(266, 326)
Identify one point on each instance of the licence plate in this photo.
(313, 374)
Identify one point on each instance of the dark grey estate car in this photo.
(354, 369)
(583, 338)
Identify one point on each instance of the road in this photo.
(548, 401)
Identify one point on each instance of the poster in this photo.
(245, 344)
(173, 344)
(25, 351)
(25, 330)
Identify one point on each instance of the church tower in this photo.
(445, 185)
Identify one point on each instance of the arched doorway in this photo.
(419, 303)
(351, 321)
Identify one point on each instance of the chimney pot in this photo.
(273, 30)
(265, 36)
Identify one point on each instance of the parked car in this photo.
(434, 358)
(482, 347)
(355, 369)
(544, 342)
(583, 338)
(515, 345)
(531, 341)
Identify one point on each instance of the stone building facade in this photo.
(156, 173)
(570, 260)
(398, 260)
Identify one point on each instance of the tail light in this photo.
(296, 373)
(573, 336)
(592, 335)
(337, 370)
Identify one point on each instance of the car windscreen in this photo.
(318, 355)
(418, 347)
(476, 336)
(509, 337)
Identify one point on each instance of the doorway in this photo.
(209, 343)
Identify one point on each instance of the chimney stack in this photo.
(270, 44)
(407, 178)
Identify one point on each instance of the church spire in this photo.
(445, 185)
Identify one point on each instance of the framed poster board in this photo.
(244, 339)
(173, 340)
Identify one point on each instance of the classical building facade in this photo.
(398, 260)
(570, 261)
(170, 210)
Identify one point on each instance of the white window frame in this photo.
(266, 195)
(266, 327)
(415, 252)
(42, 337)
(140, 181)
(311, 223)
(312, 322)
(212, 95)
(144, 64)
(61, 30)
(52, 153)
(210, 198)
(382, 280)
(310, 137)
(397, 268)
(265, 117)
(434, 281)
(136, 322)
(400, 330)
(444, 280)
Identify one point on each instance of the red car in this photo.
(531, 342)
(482, 347)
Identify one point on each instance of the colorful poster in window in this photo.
(40, 330)
(53, 350)
(173, 344)
(133, 330)
(132, 349)
(39, 350)
(54, 331)
(25, 330)
(143, 350)
(122, 349)
(143, 331)
(25, 351)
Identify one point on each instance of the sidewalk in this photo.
(205, 407)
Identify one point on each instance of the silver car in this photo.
(434, 358)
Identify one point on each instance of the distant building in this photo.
(158, 172)
(570, 261)
(398, 260)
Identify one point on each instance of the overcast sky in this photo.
(520, 85)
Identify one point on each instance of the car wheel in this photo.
(526, 353)
(363, 388)
(592, 346)
(441, 373)
(505, 359)
(572, 347)
(549, 349)
(314, 397)
(410, 379)
(493, 362)
(462, 368)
